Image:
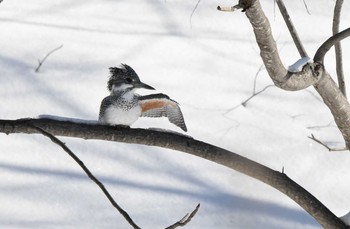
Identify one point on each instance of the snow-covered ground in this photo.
(208, 64)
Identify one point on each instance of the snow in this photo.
(60, 118)
(208, 66)
(299, 64)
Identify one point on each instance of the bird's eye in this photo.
(129, 80)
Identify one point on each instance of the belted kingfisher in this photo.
(123, 106)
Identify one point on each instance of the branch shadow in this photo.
(210, 195)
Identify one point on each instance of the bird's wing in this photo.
(160, 105)
(106, 102)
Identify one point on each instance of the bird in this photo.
(123, 106)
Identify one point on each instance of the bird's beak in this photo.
(143, 85)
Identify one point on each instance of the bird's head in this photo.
(124, 77)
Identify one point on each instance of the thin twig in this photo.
(337, 46)
(40, 62)
(254, 93)
(291, 28)
(256, 77)
(320, 126)
(307, 9)
(244, 103)
(194, 9)
(187, 218)
(89, 174)
(325, 145)
(328, 44)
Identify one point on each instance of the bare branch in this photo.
(291, 28)
(328, 44)
(89, 174)
(337, 46)
(186, 219)
(325, 145)
(45, 57)
(194, 9)
(307, 8)
(256, 77)
(179, 142)
(244, 103)
(254, 93)
(320, 126)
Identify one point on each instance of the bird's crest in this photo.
(123, 71)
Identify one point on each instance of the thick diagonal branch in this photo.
(186, 144)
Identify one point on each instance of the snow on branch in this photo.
(299, 64)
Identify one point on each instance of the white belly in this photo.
(116, 116)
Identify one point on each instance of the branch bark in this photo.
(328, 44)
(338, 49)
(186, 144)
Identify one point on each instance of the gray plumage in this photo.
(123, 106)
(170, 109)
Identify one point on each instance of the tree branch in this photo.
(186, 219)
(244, 103)
(312, 137)
(337, 46)
(328, 44)
(40, 62)
(89, 174)
(291, 28)
(186, 144)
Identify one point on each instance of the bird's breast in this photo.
(118, 115)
